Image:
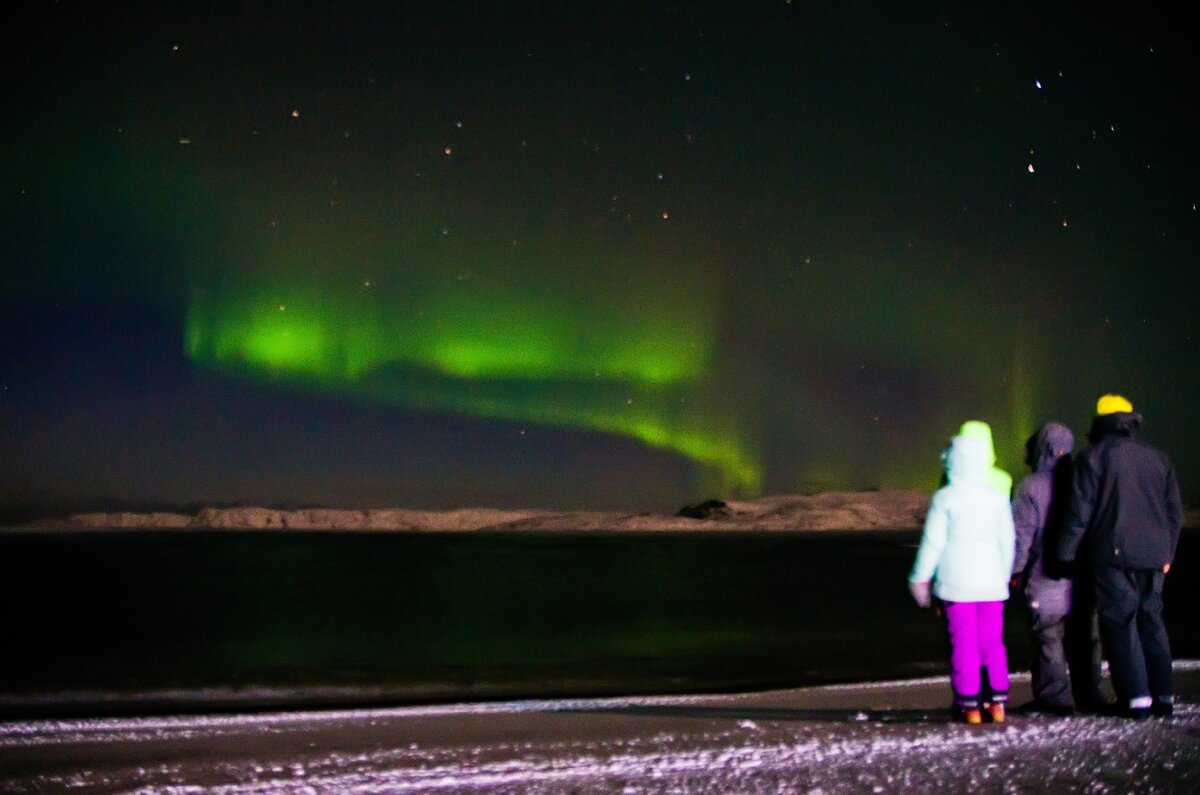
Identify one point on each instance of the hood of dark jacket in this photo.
(1043, 448)
(1119, 423)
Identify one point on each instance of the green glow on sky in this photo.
(1022, 420)
(608, 367)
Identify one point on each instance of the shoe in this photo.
(1044, 708)
(1137, 713)
(995, 712)
(1161, 708)
(972, 716)
(1060, 710)
(1098, 708)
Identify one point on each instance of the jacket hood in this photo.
(1041, 451)
(978, 429)
(969, 459)
(1119, 423)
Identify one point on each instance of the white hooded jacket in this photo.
(967, 545)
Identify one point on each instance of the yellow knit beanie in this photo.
(1111, 404)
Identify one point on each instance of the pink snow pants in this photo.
(976, 631)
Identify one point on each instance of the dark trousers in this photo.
(1066, 657)
(1051, 680)
(1129, 603)
(1082, 644)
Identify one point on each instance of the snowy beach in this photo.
(868, 737)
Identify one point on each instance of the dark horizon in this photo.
(623, 258)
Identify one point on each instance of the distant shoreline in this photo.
(886, 509)
(835, 510)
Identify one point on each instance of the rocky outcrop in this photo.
(834, 510)
(709, 509)
(844, 510)
(129, 519)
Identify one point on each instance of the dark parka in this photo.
(1039, 509)
(1125, 506)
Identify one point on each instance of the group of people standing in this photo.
(1088, 539)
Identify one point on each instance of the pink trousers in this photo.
(976, 631)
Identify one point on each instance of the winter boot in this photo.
(1163, 707)
(966, 709)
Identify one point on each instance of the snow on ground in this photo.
(877, 737)
(1106, 756)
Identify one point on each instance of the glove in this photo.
(920, 593)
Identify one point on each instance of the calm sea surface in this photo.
(92, 617)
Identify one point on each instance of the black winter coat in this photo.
(1125, 504)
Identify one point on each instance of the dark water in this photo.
(418, 617)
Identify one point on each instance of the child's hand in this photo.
(921, 593)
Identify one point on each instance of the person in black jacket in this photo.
(1126, 510)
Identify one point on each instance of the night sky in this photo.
(567, 255)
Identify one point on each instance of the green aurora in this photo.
(792, 272)
(601, 365)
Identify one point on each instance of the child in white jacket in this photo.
(967, 552)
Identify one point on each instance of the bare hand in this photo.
(1166, 567)
(921, 593)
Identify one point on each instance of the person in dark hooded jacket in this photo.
(1066, 653)
(1126, 510)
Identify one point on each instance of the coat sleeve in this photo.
(1007, 533)
(933, 541)
(1026, 524)
(1079, 511)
